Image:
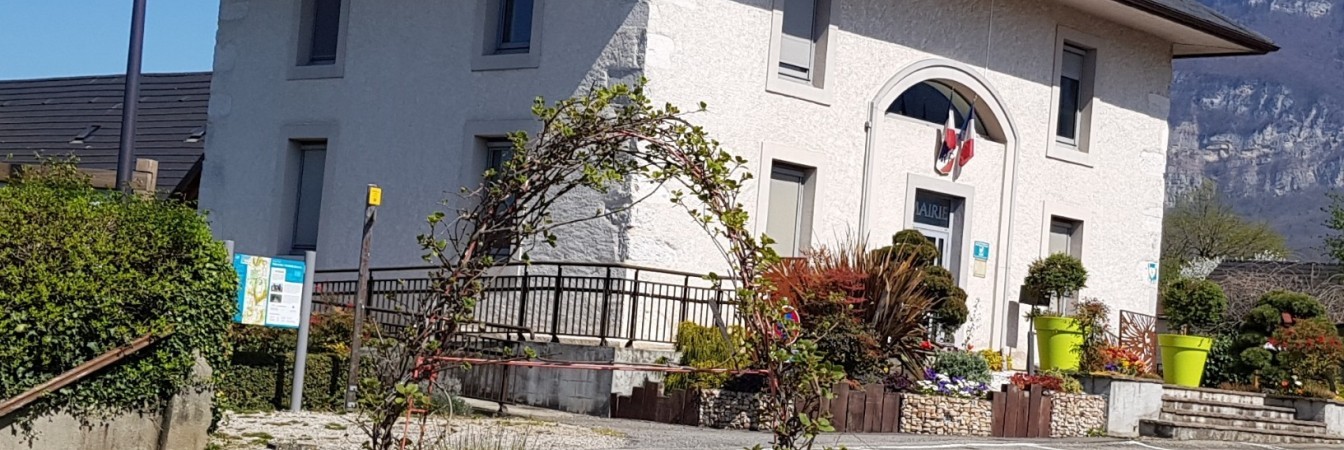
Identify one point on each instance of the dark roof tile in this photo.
(43, 116)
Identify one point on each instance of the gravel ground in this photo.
(330, 431)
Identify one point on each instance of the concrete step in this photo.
(1230, 409)
(1242, 422)
(1206, 432)
(1214, 395)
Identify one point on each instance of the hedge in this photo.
(84, 271)
(261, 382)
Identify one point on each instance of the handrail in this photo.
(598, 265)
(78, 373)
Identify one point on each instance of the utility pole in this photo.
(131, 98)
(372, 200)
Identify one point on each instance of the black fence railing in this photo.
(608, 302)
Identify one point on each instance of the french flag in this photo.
(966, 147)
(947, 155)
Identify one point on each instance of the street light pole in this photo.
(126, 153)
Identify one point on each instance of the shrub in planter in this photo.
(1310, 351)
(1284, 366)
(963, 365)
(997, 362)
(1048, 380)
(1056, 276)
(703, 347)
(949, 311)
(1191, 306)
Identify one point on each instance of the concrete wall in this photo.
(404, 115)
(573, 390)
(1127, 402)
(182, 423)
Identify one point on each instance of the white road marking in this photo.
(1271, 447)
(964, 445)
(1153, 447)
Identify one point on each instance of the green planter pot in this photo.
(1057, 340)
(1183, 358)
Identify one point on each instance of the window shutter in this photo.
(797, 45)
(784, 217)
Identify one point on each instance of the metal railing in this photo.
(606, 301)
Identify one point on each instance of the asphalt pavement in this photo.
(658, 436)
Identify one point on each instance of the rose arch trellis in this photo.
(597, 141)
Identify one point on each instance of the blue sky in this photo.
(58, 38)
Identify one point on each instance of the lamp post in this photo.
(126, 152)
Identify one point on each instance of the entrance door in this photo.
(936, 216)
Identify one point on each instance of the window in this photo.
(798, 51)
(930, 101)
(498, 152)
(324, 32)
(319, 44)
(308, 201)
(788, 219)
(509, 34)
(1075, 95)
(514, 28)
(1066, 238)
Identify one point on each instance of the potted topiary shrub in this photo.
(1057, 276)
(1191, 306)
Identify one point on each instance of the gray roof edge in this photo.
(1203, 18)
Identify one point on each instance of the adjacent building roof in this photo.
(1196, 15)
(81, 117)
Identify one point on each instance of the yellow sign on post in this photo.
(375, 195)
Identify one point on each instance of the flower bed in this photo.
(943, 415)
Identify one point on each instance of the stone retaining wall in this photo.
(732, 410)
(1074, 415)
(929, 414)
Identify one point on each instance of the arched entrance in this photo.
(905, 118)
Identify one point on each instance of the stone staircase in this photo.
(1216, 415)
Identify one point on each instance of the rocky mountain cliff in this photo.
(1268, 129)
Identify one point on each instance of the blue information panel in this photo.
(270, 290)
(981, 251)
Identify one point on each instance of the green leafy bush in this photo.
(704, 348)
(1221, 366)
(959, 364)
(1059, 275)
(1267, 315)
(261, 382)
(1193, 305)
(85, 271)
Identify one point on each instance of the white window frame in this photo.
(302, 39)
(818, 88)
(291, 137)
(303, 147)
(1057, 210)
(1077, 150)
(475, 158)
(487, 56)
(796, 156)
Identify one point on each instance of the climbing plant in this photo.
(597, 141)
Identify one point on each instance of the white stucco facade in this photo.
(407, 109)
